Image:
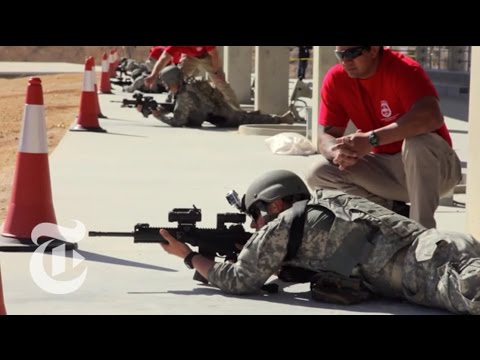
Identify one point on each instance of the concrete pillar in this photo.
(271, 79)
(458, 58)
(454, 61)
(421, 55)
(238, 70)
(323, 59)
(221, 53)
(473, 169)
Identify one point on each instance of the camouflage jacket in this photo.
(196, 103)
(325, 229)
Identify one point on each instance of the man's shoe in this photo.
(401, 208)
(287, 118)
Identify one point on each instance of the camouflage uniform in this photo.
(437, 269)
(198, 101)
(139, 85)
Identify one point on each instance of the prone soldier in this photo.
(146, 104)
(355, 249)
(197, 102)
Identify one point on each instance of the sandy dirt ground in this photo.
(62, 100)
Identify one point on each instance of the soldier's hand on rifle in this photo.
(174, 247)
(150, 80)
(157, 113)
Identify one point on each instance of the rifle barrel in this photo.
(116, 234)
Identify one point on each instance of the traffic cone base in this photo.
(84, 128)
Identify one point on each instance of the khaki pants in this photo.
(426, 169)
(190, 64)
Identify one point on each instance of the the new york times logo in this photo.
(57, 274)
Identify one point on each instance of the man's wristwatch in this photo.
(188, 259)
(373, 138)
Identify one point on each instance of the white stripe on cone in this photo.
(105, 67)
(30, 141)
(88, 81)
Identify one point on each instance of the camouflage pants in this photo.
(243, 118)
(235, 118)
(442, 269)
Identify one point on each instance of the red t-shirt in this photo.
(379, 100)
(188, 50)
(156, 51)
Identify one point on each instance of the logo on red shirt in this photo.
(385, 109)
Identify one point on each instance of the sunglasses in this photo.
(255, 212)
(350, 54)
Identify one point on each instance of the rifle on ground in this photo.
(222, 242)
(148, 104)
(121, 82)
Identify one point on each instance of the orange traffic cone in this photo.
(116, 60)
(105, 87)
(3, 311)
(111, 64)
(95, 88)
(87, 119)
(31, 197)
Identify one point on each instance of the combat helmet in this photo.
(171, 75)
(274, 185)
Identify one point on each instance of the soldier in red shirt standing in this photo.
(203, 57)
(402, 151)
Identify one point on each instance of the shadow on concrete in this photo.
(303, 299)
(119, 134)
(118, 119)
(455, 107)
(117, 261)
(160, 125)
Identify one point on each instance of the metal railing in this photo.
(449, 58)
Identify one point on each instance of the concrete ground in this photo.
(139, 171)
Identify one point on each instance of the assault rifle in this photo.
(148, 104)
(121, 81)
(222, 242)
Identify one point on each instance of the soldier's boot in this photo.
(287, 118)
(401, 208)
